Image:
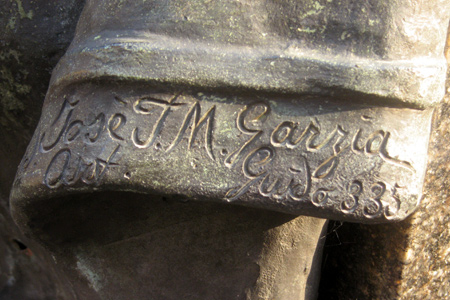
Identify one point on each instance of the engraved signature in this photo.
(67, 168)
(262, 143)
(259, 169)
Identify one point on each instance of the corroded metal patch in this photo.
(295, 154)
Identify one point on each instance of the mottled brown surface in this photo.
(426, 271)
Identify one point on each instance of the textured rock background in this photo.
(33, 36)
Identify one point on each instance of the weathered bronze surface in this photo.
(154, 98)
(315, 108)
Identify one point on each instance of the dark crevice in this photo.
(20, 245)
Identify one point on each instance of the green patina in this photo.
(11, 90)
(22, 14)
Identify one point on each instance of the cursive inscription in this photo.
(67, 169)
(302, 173)
(379, 138)
(248, 122)
(146, 106)
(279, 156)
(193, 118)
(256, 168)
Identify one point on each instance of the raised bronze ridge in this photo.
(281, 67)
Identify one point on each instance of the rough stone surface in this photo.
(33, 37)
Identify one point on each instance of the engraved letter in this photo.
(242, 125)
(70, 106)
(254, 169)
(140, 108)
(115, 123)
(55, 166)
(197, 122)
